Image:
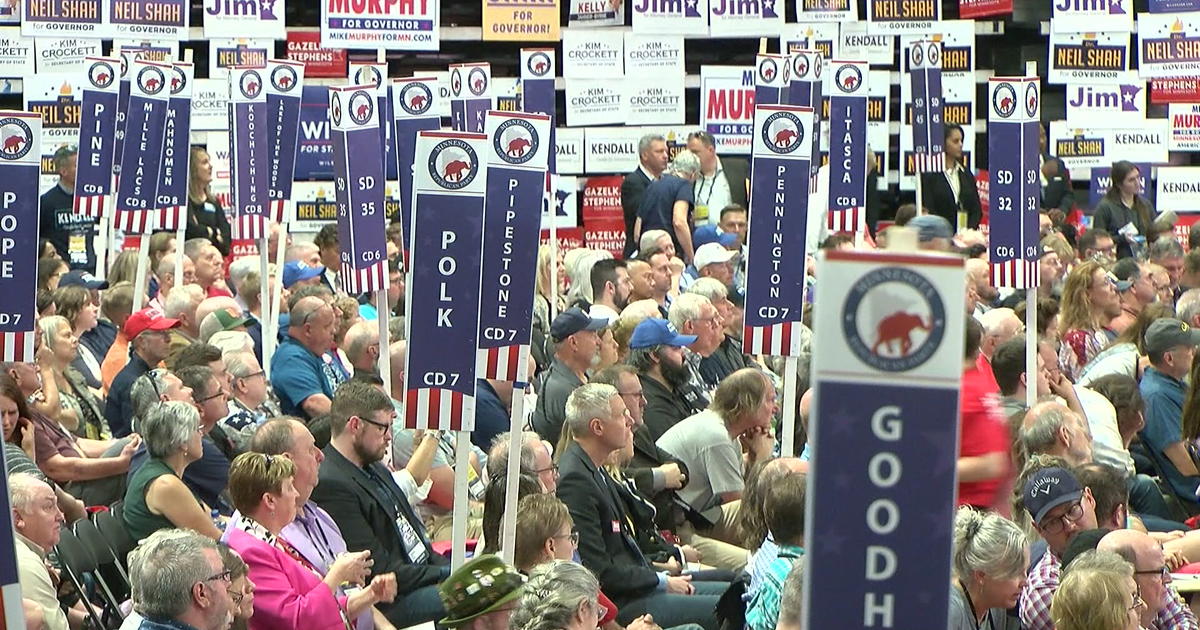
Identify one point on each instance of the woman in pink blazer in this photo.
(289, 592)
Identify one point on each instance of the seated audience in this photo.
(785, 517)
(179, 580)
(36, 522)
(478, 596)
(149, 335)
(990, 557)
(559, 595)
(1097, 593)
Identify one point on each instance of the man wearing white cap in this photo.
(712, 260)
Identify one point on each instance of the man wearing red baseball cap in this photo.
(147, 334)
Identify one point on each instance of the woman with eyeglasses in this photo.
(157, 497)
(241, 588)
(289, 591)
(1097, 592)
(80, 409)
(990, 557)
(1089, 304)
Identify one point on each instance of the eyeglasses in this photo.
(1162, 572)
(251, 375)
(573, 537)
(220, 394)
(1056, 524)
(378, 424)
(553, 467)
(223, 576)
(1138, 602)
(639, 394)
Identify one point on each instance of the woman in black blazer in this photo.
(937, 195)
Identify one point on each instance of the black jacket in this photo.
(664, 408)
(210, 223)
(1057, 193)
(737, 173)
(939, 198)
(367, 515)
(646, 457)
(632, 189)
(607, 543)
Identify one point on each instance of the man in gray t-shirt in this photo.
(713, 459)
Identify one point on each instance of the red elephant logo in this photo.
(768, 73)
(102, 78)
(152, 85)
(479, 83)
(1006, 103)
(785, 137)
(252, 87)
(540, 67)
(418, 101)
(897, 328)
(454, 170)
(517, 147)
(285, 81)
(363, 111)
(850, 82)
(12, 144)
(174, 83)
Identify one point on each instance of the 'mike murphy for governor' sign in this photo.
(445, 250)
(885, 416)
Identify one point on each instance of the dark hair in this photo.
(71, 301)
(355, 399)
(784, 508)
(905, 213)
(603, 272)
(9, 389)
(493, 506)
(195, 354)
(949, 128)
(46, 268)
(703, 136)
(1108, 486)
(1008, 364)
(1120, 170)
(327, 236)
(42, 243)
(835, 241)
(1135, 333)
(1085, 540)
(973, 336)
(1088, 239)
(196, 377)
(45, 300)
(733, 207)
(1047, 309)
(366, 378)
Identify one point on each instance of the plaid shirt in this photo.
(1043, 579)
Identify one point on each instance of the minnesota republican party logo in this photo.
(250, 84)
(151, 80)
(360, 106)
(453, 164)
(283, 78)
(178, 80)
(335, 107)
(101, 74)
(538, 64)
(934, 54)
(416, 98)
(782, 132)
(455, 82)
(477, 81)
(893, 319)
(368, 75)
(1004, 100)
(848, 78)
(800, 66)
(767, 69)
(516, 141)
(16, 138)
(1031, 100)
(916, 56)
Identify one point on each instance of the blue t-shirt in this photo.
(491, 418)
(658, 202)
(297, 374)
(1163, 396)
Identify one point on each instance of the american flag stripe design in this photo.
(930, 162)
(170, 218)
(90, 205)
(17, 346)
(773, 340)
(365, 280)
(507, 363)
(134, 221)
(1015, 274)
(437, 408)
(848, 220)
(275, 210)
(252, 226)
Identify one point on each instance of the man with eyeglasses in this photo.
(694, 314)
(1060, 508)
(1135, 292)
(179, 581)
(1171, 347)
(1097, 245)
(248, 392)
(1163, 610)
(151, 343)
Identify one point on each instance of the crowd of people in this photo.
(652, 489)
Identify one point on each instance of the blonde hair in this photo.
(50, 326)
(740, 394)
(988, 543)
(1090, 596)
(251, 475)
(539, 517)
(124, 267)
(1076, 313)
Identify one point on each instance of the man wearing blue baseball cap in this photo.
(656, 352)
(298, 273)
(576, 350)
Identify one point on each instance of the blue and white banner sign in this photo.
(359, 186)
(1014, 180)
(848, 146)
(470, 95)
(445, 255)
(806, 83)
(20, 160)
(364, 73)
(925, 74)
(249, 165)
(518, 156)
(886, 375)
(537, 91)
(285, 88)
(779, 188)
(176, 150)
(415, 108)
(772, 79)
(145, 129)
(97, 136)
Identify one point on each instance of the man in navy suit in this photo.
(652, 156)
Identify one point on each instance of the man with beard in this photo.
(656, 351)
(981, 277)
(610, 289)
(694, 314)
(371, 511)
(1171, 347)
(576, 351)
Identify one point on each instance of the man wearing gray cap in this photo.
(933, 232)
(577, 347)
(1060, 508)
(1171, 347)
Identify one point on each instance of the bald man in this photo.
(1163, 607)
(299, 370)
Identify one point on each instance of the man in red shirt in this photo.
(983, 462)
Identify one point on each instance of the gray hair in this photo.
(49, 327)
(164, 568)
(147, 391)
(210, 326)
(240, 364)
(587, 402)
(166, 265)
(685, 163)
(994, 320)
(1187, 307)
(21, 487)
(988, 543)
(232, 341)
(275, 437)
(497, 457)
(359, 337)
(1041, 435)
(240, 268)
(1097, 560)
(299, 250)
(648, 139)
(580, 273)
(710, 288)
(168, 427)
(183, 300)
(648, 238)
(1165, 248)
(685, 308)
(194, 246)
(553, 595)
